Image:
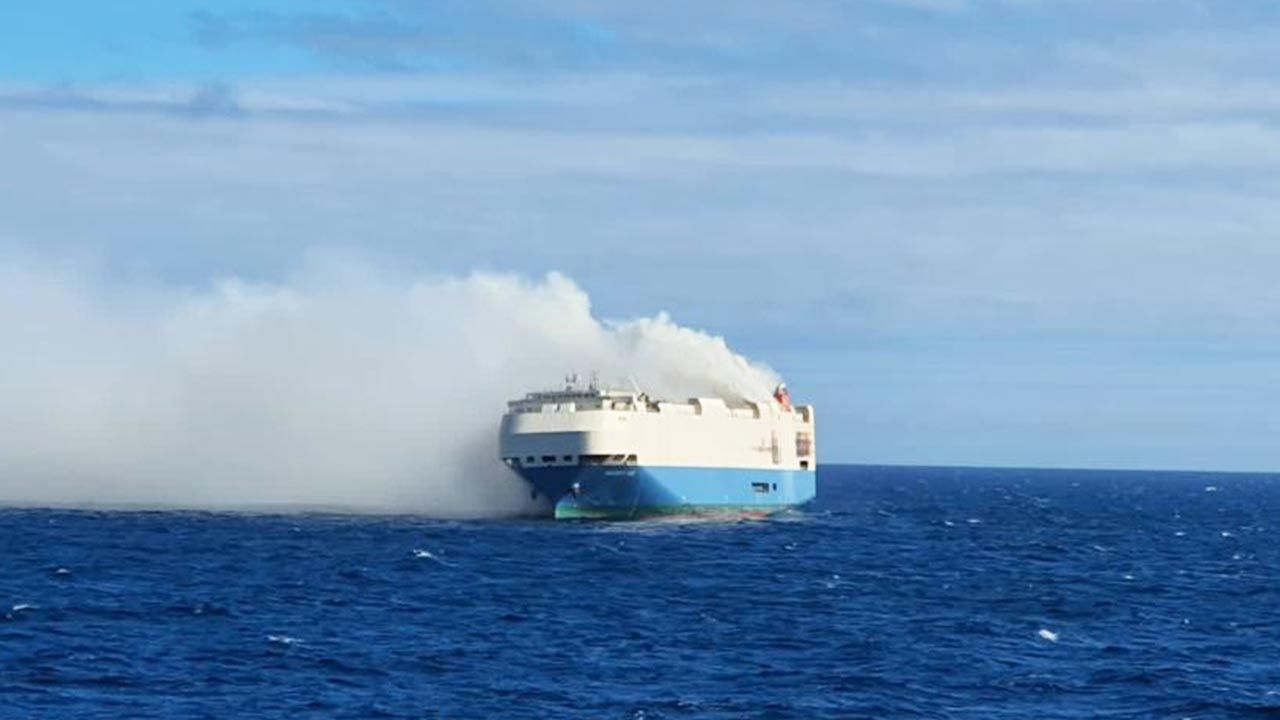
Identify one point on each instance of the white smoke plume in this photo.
(344, 387)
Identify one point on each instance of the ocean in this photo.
(901, 593)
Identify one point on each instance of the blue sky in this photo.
(1017, 232)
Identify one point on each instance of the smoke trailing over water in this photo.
(343, 387)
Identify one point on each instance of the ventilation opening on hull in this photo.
(804, 444)
(760, 487)
(629, 460)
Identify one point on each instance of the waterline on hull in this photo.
(570, 509)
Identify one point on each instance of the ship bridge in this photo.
(574, 399)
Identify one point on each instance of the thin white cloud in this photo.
(1029, 204)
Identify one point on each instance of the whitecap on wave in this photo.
(428, 555)
(16, 610)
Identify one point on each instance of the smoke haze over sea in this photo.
(345, 385)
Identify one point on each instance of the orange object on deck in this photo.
(783, 397)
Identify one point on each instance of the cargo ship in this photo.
(592, 452)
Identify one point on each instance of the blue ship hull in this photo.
(628, 492)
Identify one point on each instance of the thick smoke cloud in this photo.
(344, 387)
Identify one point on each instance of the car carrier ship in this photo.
(619, 454)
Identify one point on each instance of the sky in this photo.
(971, 232)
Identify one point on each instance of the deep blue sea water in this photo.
(904, 592)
